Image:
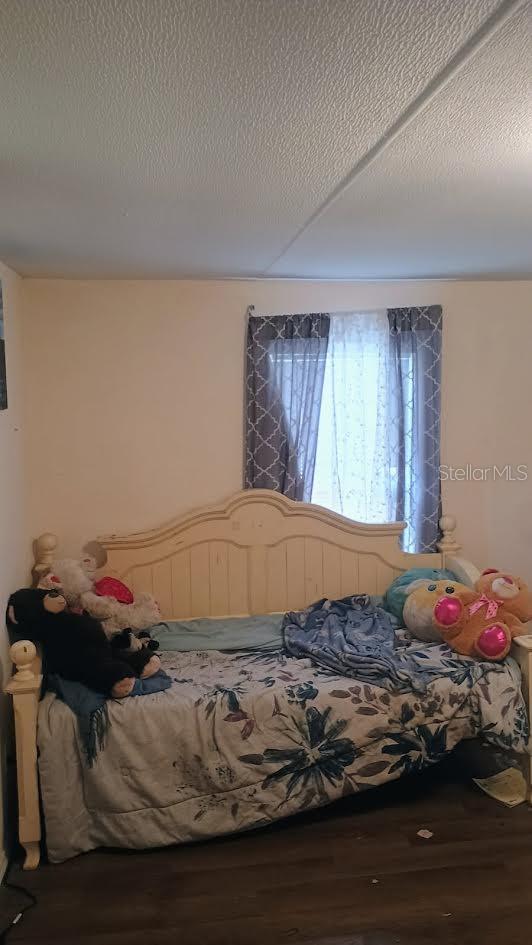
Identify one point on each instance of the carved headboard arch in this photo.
(260, 552)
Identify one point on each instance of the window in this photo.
(356, 453)
(344, 410)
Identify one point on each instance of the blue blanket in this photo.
(90, 707)
(354, 637)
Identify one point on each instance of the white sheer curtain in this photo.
(356, 458)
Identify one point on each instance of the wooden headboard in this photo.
(259, 553)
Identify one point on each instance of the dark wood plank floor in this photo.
(310, 879)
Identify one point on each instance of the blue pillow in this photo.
(395, 596)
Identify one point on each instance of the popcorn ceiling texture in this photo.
(161, 138)
(452, 194)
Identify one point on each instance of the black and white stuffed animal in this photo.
(75, 645)
(126, 641)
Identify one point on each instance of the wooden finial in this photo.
(447, 543)
(23, 654)
(43, 550)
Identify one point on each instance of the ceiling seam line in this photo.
(476, 42)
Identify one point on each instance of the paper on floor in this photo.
(508, 786)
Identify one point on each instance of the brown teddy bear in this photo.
(483, 621)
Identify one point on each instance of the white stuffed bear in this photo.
(78, 590)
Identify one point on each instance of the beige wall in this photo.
(14, 544)
(135, 401)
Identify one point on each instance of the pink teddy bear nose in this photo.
(493, 641)
(448, 610)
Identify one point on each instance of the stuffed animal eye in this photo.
(449, 590)
(431, 587)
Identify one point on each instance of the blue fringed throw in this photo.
(90, 707)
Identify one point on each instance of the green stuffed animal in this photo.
(395, 596)
(420, 607)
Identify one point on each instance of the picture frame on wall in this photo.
(3, 379)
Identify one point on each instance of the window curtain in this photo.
(286, 357)
(344, 410)
(378, 446)
(357, 448)
(415, 363)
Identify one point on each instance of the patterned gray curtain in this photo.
(284, 382)
(415, 338)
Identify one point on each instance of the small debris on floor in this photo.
(425, 834)
(374, 881)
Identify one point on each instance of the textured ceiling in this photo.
(322, 138)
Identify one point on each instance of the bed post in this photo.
(465, 571)
(522, 652)
(25, 687)
(43, 551)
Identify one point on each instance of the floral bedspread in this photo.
(244, 738)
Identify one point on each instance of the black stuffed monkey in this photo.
(75, 645)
